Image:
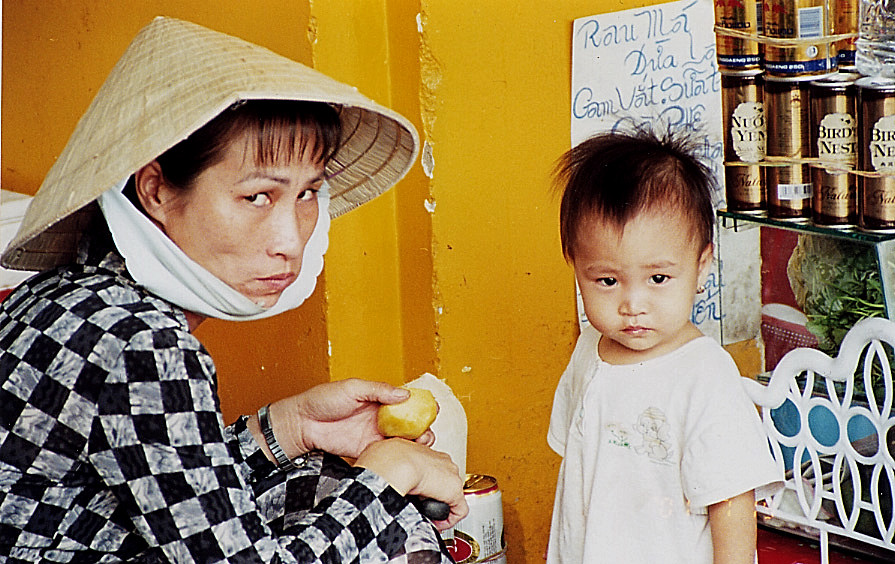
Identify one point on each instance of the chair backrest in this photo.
(835, 443)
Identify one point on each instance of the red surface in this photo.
(776, 248)
(778, 548)
(780, 337)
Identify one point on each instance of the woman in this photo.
(199, 183)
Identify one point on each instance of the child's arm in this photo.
(734, 529)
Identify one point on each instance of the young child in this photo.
(663, 452)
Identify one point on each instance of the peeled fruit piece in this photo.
(410, 418)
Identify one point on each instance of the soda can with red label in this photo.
(479, 536)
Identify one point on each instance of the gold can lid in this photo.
(879, 83)
(479, 484)
(838, 81)
(741, 73)
(796, 78)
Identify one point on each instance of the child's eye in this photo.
(259, 199)
(608, 282)
(658, 278)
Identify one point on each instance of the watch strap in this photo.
(283, 461)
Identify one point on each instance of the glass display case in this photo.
(823, 280)
(882, 245)
(816, 284)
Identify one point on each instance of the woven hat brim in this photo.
(173, 78)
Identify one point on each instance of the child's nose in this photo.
(633, 303)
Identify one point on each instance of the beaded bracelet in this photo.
(283, 461)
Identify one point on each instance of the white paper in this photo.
(450, 426)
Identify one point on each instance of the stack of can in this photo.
(479, 536)
(798, 119)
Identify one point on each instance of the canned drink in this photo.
(735, 53)
(876, 153)
(745, 140)
(478, 537)
(798, 19)
(845, 21)
(788, 186)
(499, 558)
(789, 192)
(834, 127)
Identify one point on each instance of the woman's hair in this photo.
(279, 129)
(617, 175)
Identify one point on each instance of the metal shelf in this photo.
(739, 221)
(883, 243)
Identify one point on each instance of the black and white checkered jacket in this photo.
(113, 447)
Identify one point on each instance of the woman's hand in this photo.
(415, 469)
(336, 417)
(341, 418)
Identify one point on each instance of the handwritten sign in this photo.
(653, 64)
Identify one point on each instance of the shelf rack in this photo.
(883, 243)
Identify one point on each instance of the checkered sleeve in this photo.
(326, 507)
(113, 448)
(160, 443)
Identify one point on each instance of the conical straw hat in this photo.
(173, 78)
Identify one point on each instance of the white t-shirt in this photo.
(646, 449)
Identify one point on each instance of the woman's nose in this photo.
(291, 230)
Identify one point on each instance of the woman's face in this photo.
(247, 223)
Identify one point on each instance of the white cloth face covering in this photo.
(159, 265)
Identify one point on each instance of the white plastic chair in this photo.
(833, 440)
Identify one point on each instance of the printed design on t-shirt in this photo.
(652, 428)
(619, 436)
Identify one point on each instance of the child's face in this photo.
(638, 283)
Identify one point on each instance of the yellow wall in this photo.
(475, 291)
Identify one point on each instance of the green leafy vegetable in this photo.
(837, 283)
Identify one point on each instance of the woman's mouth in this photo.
(277, 283)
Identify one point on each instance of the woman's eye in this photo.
(259, 199)
(658, 278)
(307, 195)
